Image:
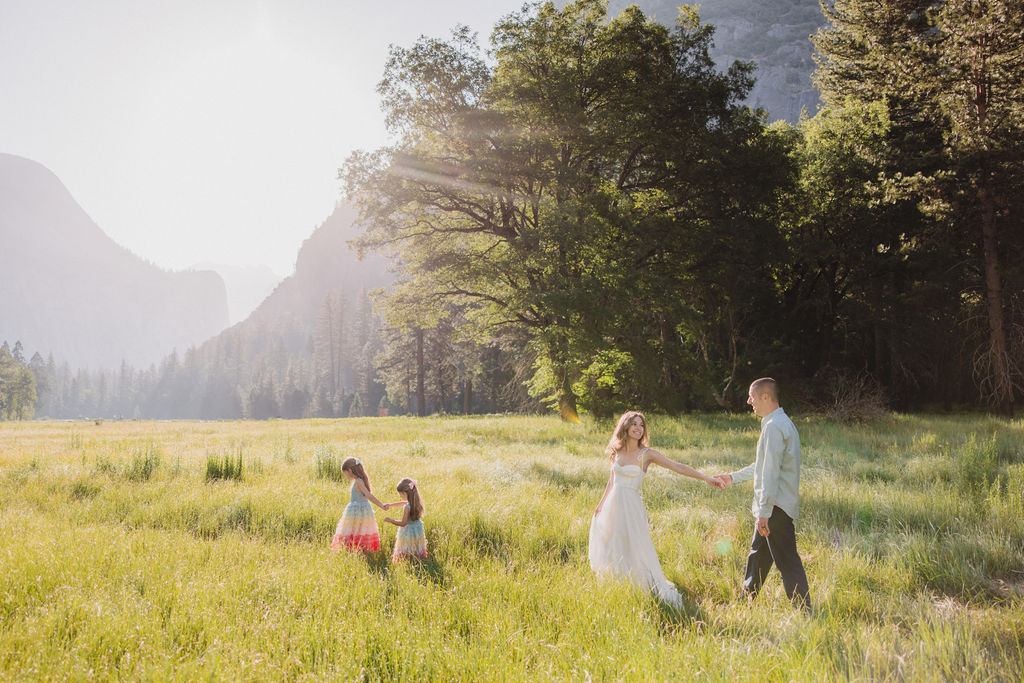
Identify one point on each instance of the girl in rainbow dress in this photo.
(410, 541)
(357, 528)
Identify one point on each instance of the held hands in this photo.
(714, 481)
(724, 481)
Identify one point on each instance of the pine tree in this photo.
(972, 76)
(950, 74)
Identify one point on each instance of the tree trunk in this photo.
(421, 398)
(879, 351)
(563, 382)
(442, 391)
(331, 350)
(667, 381)
(409, 404)
(1002, 385)
(896, 383)
(567, 406)
(467, 397)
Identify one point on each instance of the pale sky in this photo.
(206, 130)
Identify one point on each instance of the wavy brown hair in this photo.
(355, 467)
(618, 440)
(412, 490)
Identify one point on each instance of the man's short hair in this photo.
(766, 385)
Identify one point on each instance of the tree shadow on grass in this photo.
(564, 481)
(671, 618)
(378, 562)
(488, 539)
(428, 568)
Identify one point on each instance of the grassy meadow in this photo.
(129, 550)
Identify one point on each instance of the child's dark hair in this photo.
(412, 490)
(355, 467)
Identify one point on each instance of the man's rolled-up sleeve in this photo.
(746, 474)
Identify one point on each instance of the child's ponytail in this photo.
(412, 491)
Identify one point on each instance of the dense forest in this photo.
(586, 216)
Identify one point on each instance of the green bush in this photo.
(417, 449)
(142, 464)
(978, 461)
(225, 466)
(328, 464)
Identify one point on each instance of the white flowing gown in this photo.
(620, 538)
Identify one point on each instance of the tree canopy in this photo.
(582, 187)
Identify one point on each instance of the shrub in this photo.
(328, 465)
(143, 463)
(604, 383)
(978, 463)
(849, 398)
(417, 449)
(104, 466)
(225, 466)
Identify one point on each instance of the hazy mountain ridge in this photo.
(773, 34)
(325, 265)
(306, 350)
(287, 318)
(247, 286)
(70, 290)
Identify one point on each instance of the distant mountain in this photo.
(325, 266)
(307, 350)
(773, 34)
(247, 286)
(66, 288)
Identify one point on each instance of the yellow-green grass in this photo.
(119, 559)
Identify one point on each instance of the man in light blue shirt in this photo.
(776, 475)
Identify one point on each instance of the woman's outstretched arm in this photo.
(657, 458)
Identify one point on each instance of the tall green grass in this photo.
(225, 466)
(327, 463)
(120, 559)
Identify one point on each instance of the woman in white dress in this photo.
(620, 539)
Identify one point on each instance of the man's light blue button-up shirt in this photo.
(776, 470)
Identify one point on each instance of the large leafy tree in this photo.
(559, 188)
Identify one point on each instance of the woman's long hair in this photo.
(618, 440)
(412, 490)
(355, 467)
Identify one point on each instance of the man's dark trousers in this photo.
(779, 547)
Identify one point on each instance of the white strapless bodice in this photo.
(628, 477)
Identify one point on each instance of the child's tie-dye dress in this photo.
(357, 528)
(410, 541)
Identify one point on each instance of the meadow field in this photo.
(124, 556)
